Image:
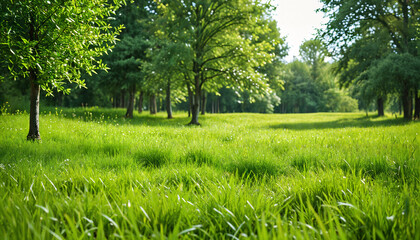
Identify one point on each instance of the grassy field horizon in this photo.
(237, 176)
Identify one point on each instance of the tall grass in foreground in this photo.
(97, 175)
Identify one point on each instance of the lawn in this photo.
(97, 175)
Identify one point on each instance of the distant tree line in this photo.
(210, 56)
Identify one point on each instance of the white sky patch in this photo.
(298, 21)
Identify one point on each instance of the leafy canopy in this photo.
(59, 39)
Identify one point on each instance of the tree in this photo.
(50, 42)
(126, 59)
(300, 95)
(395, 21)
(313, 52)
(165, 67)
(304, 94)
(244, 100)
(271, 70)
(397, 73)
(359, 57)
(220, 36)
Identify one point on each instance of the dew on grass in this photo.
(111, 221)
(214, 209)
(145, 214)
(45, 209)
(250, 205)
(228, 211)
(186, 231)
(14, 179)
(88, 220)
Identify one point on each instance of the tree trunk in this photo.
(189, 107)
(153, 106)
(130, 107)
(417, 105)
(35, 91)
(203, 103)
(34, 108)
(168, 100)
(380, 102)
(218, 105)
(198, 82)
(190, 99)
(196, 99)
(195, 109)
(407, 104)
(140, 109)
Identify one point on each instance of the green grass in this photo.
(96, 175)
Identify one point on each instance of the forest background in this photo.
(151, 66)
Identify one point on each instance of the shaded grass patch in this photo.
(153, 158)
(199, 157)
(307, 162)
(254, 168)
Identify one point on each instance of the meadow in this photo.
(97, 175)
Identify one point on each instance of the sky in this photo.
(297, 20)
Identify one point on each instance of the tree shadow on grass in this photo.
(116, 116)
(158, 120)
(363, 122)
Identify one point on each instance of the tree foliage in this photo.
(310, 84)
(57, 39)
(314, 52)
